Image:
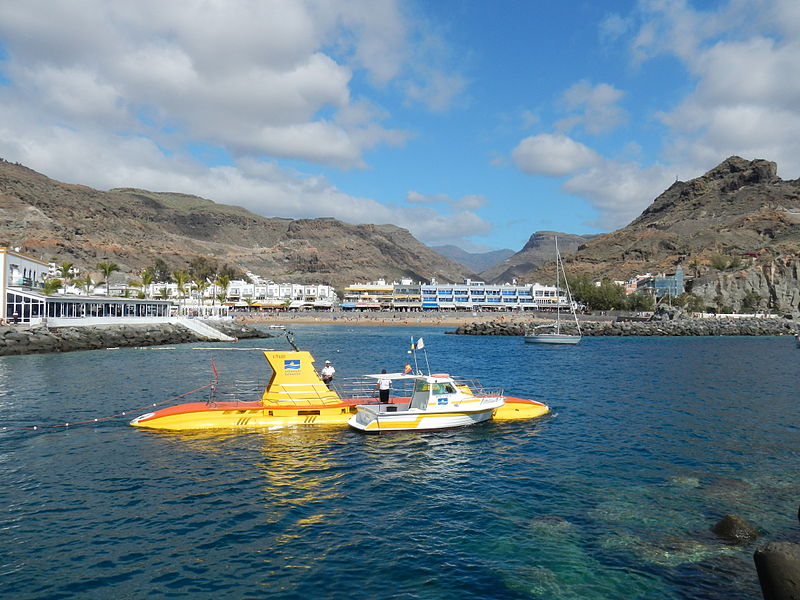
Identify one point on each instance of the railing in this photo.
(472, 386)
(363, 388)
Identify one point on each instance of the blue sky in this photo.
(472, 123)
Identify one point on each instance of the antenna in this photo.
(414, 352)
(290, 339)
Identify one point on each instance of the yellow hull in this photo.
(193, 417)
(518, 409)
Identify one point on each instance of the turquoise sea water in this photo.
(651, 441)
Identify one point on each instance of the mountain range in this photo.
(735, 231)
(133, 228)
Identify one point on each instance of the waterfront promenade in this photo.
(403, 319)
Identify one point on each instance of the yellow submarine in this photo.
(296, 395)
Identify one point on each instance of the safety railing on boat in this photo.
(472, 386)
(346, 388)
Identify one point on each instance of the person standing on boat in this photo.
(384, 387)
(327, 373)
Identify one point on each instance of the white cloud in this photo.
(111, 94)
(471, 202)
(619, 191)
(745, 59)
(552, 154)
(268, 78)
(598, 105)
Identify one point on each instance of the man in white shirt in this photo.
(327, 373)
(384, 386)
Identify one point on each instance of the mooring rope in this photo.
(108, 418)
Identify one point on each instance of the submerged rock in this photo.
(735, 529)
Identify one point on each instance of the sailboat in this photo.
(551, 333)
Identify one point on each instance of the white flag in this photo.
(420, 344)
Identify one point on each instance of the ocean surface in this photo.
(651, 441)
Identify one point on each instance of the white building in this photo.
(22, 278)
(269, 294)
(472, 295)
(21, 281)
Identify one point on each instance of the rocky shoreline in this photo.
(41, 339)
(665, 323)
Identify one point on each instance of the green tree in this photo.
(222, 282)
(719, 262)
(161, 271)
(640, 301)
(107, 268)
(86, 283)
(51, 286)
(201, 287)
(181, 278)
(64, 269)
(148, 278)
(201, 268)
(164, 293)
(751, 302)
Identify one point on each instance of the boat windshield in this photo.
(440, 389)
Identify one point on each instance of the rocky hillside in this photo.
(474, 261)
(539, 250)
(734, 230)
(56, 221)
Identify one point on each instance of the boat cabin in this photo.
(428, 391)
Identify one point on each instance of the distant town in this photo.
(34, 291)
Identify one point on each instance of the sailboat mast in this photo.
(558, 289)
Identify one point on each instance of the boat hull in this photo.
(553, 338)
(243, 415)
(517, 409)
(417, 421)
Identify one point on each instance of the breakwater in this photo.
(43, 339)
(679, 327)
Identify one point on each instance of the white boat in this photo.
(551, 333)
(436, 402)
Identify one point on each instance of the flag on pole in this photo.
(420, 344)
(407, 369)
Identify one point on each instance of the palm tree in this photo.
(51, 286)
(223, 281)
(64, 270)
(181, 279)
(148, 276)
(86, 283)
(201, 287)
(107, 269)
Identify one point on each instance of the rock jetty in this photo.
(665, 322)
(41, 339)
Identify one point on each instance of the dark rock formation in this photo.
(678, 327)
(41, 339)
(735, 529)
(735, 231)
(778, 567)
